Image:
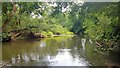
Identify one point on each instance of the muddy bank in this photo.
(22, 35)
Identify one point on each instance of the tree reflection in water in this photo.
(58, 51)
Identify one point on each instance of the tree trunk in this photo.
(9, 17)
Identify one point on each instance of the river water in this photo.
(57, 51)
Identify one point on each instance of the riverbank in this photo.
(108, 46)
(21, 35)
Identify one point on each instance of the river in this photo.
(56, 51)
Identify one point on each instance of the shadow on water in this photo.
(57, 51)
(113, 58)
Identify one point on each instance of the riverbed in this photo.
(56, 51)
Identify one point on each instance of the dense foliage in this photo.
(99, 21)
(103, 25)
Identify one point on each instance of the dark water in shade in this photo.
(57, 51)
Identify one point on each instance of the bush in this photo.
(49, 33)
(69, 33)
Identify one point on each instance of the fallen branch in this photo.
(98, 44)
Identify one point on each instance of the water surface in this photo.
(57, 51)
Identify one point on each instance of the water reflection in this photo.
(58, 51)
(42, 44)
(90, 41)
(13, 60)
(83, 43)
(64, 58)
(25, 57)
